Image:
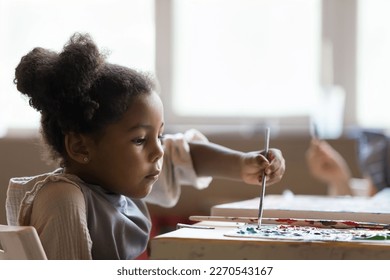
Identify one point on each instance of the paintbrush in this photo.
(263, 180)
(314, 133)
(318, 223)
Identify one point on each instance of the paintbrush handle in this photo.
(263, 180)
(249, 220)
(338, 224)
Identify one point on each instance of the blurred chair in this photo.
(20, 243)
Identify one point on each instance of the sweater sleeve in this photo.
(59, 215)
(177, 169)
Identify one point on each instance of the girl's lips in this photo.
(154, 175)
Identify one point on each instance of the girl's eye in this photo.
(139, 141)
(161, 139)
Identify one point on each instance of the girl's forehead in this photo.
(147, 102)
(146, 108)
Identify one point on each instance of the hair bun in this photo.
(79, 63)
(32, 75)
(56, 82)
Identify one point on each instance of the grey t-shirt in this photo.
(374, 156)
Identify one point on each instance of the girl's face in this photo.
(128, 158)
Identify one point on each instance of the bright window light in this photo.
(124, 27)
(246, 58)
(373, 82)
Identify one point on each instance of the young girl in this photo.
(105, 125)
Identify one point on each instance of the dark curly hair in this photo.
(76, 90)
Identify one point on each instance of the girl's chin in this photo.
(145, 191)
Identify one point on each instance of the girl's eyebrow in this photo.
(144, 126)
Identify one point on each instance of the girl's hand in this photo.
(326, 164)
(254, 164)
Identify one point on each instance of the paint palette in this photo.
(306, 233)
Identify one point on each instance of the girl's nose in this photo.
(158, 152)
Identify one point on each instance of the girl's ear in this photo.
(77, 147)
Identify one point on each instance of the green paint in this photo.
(312, 233)
(379, 236)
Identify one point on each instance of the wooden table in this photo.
(203, 244)
(192, 243)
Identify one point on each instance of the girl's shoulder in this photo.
(49, 193)
(59, 193)
(56, 200)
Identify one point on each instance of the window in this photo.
(124, 27)
(243, 60)
(219, 61)
(373, 83)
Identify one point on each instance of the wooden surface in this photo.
(194, 243)
(211, 244)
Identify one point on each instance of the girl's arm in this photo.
(210, 159)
